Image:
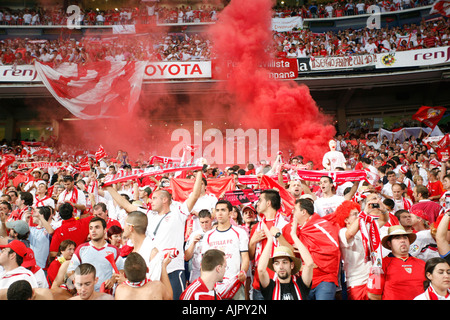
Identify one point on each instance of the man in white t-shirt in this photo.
(370, 46)
(233, 241)
(386, 192)
(401, 203)
(32, 185)
(355, 265)
(27, 18)
(361, 7)
(194, 245)
(333, 159)
(329, 201)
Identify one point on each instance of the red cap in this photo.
(420, 214)
(29, 260)
(18, 247)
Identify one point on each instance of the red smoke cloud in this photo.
(243, 35)
(249, 99)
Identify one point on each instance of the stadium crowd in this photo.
(345, 8)
(183, 47)
(76, 225)
(114, 16)
(145, 14)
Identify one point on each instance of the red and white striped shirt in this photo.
(197, 290)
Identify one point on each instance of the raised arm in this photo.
(264, 277)
(308, 262)
(441, 234)
(121, 201)
(190, 202)
(353, 190)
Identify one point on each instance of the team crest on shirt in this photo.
(408, 269)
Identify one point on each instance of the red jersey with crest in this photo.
(403, 278)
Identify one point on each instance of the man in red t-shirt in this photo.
(9, 57)
(71, 228)
(430, 40)
(434, 186)
(403, 274)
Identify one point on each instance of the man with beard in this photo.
(286, 286)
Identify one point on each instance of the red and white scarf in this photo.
(74, 196)
(430, 294)
(228, 288)
(406, 204)
(40, 202)
(371, 238)
(259, 247)
(277, 290)
(136, 284)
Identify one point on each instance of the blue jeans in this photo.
(257, 295)
(324, 291)
(178, 282)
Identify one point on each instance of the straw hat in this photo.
(283, 251)
(397, 230)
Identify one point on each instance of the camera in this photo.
(375, 205)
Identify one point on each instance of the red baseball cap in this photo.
(29, 260)
(18, 247)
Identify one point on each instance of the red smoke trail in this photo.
(243, 35)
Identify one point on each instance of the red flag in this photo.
(181, 188)
(95, 90)
(83, 165)
(441, 7)
(321, 237)
(430, 116)
(287, 200)
(6, 161)
(165, 160)
(100, 154)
